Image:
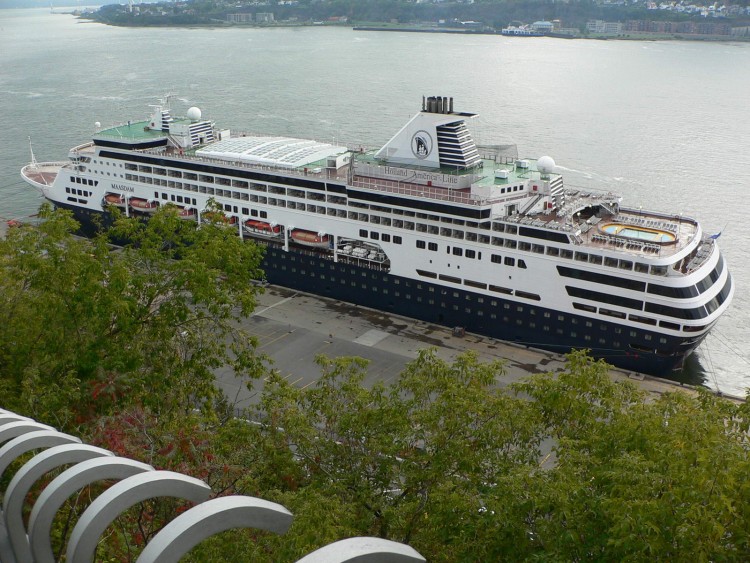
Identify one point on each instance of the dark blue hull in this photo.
(530, 325)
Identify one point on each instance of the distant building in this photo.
(683, 28)
(239, 18)
(264, 17)
(607, 28)
(542, 26)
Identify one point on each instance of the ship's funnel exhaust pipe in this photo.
(437, 104)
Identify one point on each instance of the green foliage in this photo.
(638, 478)
(588, 469)
(88, 328)
(414, 461)
(119, 346)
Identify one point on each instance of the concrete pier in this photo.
(293, 327)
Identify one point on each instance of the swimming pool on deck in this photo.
(639, 233)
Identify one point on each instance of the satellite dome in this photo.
(545, 165)
(97, 125)
(194, 113)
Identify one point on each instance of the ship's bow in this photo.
(41, 175)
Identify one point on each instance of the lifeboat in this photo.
(252, 227)
(143, 205)
(308, 238)
(189, 213)
(116, 200)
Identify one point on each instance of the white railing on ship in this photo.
(82, 147)
(430, 192)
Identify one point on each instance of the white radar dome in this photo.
(194, 113)
(545, 165)
(97, 125)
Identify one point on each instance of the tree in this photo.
(637, 477)
(414, 461)
(564, 466)
(88, 327)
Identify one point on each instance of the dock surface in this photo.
(293, 328)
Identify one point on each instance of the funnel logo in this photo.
(421, 144)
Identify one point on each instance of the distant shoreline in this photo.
(445, 30)
(621, 37)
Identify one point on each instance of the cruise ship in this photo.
(431, 226)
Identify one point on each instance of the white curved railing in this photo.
(136, 482)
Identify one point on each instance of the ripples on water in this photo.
(663, 123)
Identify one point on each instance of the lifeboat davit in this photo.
(116, 200)
(308, 238)
(252, 227)
(143, 205)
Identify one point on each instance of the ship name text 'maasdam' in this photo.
(431, 226)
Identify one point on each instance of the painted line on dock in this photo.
(264, 309)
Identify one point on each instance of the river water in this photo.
(664, 123)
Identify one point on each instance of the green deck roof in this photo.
(137, 131)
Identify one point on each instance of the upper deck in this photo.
(432, 159)
(130, 131)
